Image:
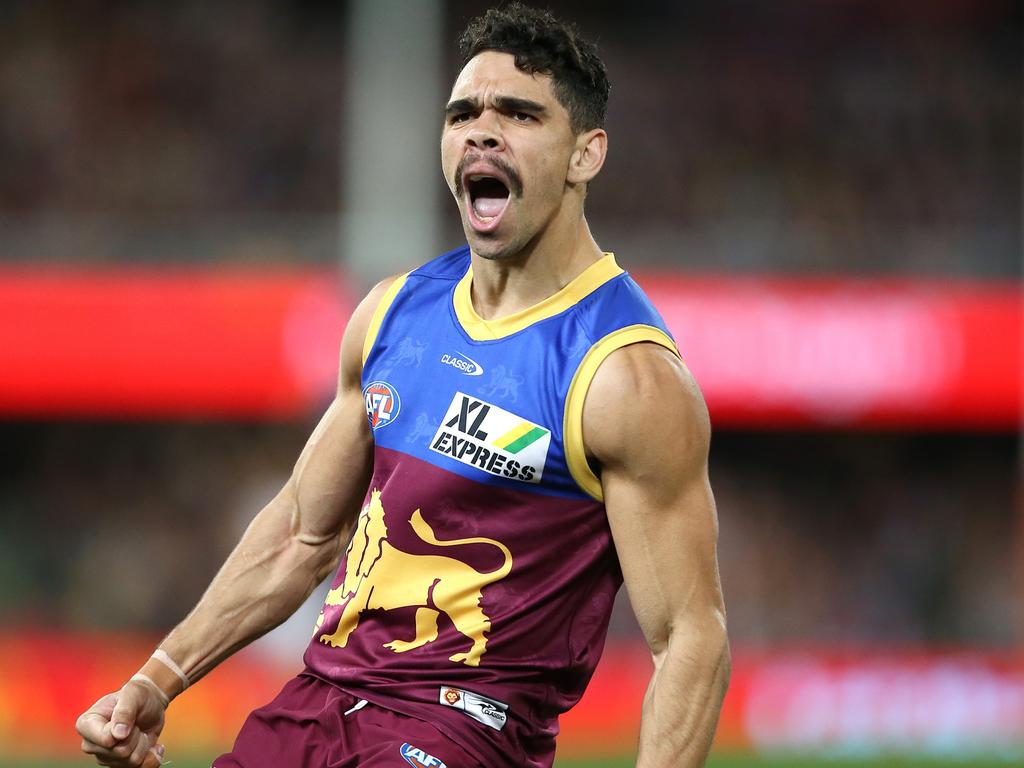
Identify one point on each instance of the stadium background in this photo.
(823, 198)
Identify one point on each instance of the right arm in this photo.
(297, 539)
(290, 547)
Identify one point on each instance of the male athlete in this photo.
(512, 437)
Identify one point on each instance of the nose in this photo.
(485, 133)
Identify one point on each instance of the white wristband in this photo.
(161, 655)
(148, 681)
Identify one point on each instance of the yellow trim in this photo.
(588, 281)
(572, 428)
(378, 314)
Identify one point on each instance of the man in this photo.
(513, 435)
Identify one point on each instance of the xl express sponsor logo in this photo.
(492, 439)
(461, 363)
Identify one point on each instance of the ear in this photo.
(588, 157)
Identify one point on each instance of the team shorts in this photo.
(312, 724)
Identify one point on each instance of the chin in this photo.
(490, 248)
(490, 251)
(495, 251)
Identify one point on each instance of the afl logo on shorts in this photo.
(419, 759)
(382, 403)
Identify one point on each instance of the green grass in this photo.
(746, 761)
(718, 761)
(750, 761)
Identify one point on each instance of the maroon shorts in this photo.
(312, 724)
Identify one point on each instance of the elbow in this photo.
(297, 556)
(319, 550)
(329, 557)
(718, 648)
(725, 666)
(702, 641)
(720, 658)
(320, 553)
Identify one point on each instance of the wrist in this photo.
(146, 681)
(167, 678)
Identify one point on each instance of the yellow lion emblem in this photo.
(379, 576)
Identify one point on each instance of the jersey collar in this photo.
(585, 283)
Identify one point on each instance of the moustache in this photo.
(514, 180)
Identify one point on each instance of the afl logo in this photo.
(382, 403)
(418, 758)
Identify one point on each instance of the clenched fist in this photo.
(122, 728)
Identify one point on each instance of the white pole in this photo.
(391, 187)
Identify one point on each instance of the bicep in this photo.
(646, 425)
(330, 477)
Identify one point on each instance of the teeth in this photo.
(477, 177)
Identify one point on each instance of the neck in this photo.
(504, 286)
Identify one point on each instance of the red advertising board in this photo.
(263, 344)
(166, 344)
(848, 702)
(844, 352)
(954, 703)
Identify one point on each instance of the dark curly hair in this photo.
(542, 43)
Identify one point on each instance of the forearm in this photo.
(263, 581)
(684, 697)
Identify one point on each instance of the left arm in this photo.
(645, 424)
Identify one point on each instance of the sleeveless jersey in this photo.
(477, 588)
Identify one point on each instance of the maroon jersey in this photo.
(476, 590)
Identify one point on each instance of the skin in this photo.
(291, 546)
(663, 520)
(543, 240)
(658, 499)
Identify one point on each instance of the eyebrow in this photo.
(503, 103)
(461, 105)
(514, 104)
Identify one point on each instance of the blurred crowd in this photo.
(869, 538)
(883, 539)
(855, 136)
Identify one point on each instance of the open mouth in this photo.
(488, 199)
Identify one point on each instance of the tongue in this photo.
(489, 206)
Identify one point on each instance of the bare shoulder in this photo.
(359, 326)
(644, 409)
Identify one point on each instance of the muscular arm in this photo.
(646, 425)
(290, 546)
(296, 540)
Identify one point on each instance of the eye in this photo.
(522, 117)
(459, 117)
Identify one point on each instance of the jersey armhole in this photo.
(377, 318)
(572, 428)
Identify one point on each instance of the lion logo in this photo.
(409, 352)
(452, 696)
(503, 383)
(379, 576)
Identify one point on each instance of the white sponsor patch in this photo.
(490, 712)
(492, 439)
